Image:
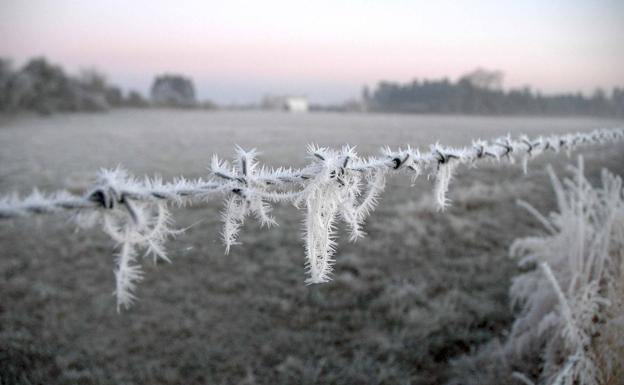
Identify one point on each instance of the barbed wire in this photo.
(336, 184)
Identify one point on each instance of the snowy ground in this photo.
(421, 290)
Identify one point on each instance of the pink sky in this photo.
(239, 50)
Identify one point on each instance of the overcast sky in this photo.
(235, 51)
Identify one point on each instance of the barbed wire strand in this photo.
(336, 184)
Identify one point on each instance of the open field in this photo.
(422, 289)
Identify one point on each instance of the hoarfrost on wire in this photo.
(337, 186)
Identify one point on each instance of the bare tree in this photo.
(485, 79)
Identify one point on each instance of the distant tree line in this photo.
(46, 88)
(480, 92)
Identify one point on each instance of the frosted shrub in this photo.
(572, 303)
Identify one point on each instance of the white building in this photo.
(285, 103)
(295, 104)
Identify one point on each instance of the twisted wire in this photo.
(109, 193)
(336, 184)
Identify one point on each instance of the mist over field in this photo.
(412, 302)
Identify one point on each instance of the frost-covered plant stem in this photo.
(572, 307)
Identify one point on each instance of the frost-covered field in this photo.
(421, 291)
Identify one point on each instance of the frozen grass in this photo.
(570, 324)
(421, 289)
(572, 304)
